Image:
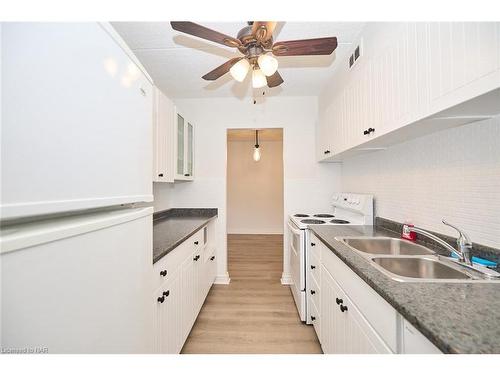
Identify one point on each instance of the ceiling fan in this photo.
(255, 42)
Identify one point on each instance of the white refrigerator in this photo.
(76, 168)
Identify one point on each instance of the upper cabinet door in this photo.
(180, 145)
(189, 150)
(76, 121)
(184, 149)
(164, 119)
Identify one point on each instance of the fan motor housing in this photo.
(248, 41)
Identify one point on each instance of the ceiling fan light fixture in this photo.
(240, 69)
(258, 79)
(267, 64)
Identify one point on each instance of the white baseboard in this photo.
(286, 279)
(222, 279)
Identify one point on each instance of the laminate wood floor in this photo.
(254, 313)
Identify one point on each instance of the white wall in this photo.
(452, 174)
(254, 189)
(162, 192)
(308, 185)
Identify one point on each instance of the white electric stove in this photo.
(347, 209)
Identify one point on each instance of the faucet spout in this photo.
(464, 244)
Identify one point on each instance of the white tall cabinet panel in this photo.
(76, 120)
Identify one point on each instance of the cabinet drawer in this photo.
(314, 246)
(314, 268)
(314, 292)
(316, 319)
(378, 312)
(171, 263)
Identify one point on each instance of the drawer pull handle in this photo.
(313, 291)
(196, 242)
(313, 318)
(313, 267)
(161, 299)
(313, 244)
(339, 301)
(163, 273)
(160, 175)
(167, 293)
(212, 257)
(343, 308)
(196, 258)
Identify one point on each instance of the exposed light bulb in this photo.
(240, 69)
(258, 79)
(267, 64)
(256, 154)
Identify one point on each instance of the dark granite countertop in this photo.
(456, 317)
(174, 226)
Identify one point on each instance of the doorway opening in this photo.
(255, 217)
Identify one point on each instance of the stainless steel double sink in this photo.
(402, 260)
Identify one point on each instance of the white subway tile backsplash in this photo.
(453, 174)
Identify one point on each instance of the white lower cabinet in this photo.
(351, 317)
(189, 273)
(167, 307)
(413, 342)
(344, 330)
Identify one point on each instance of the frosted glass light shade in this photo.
(258, 79)
(267, 64)
(256, 154)
(240, 69)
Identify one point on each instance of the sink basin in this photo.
(419, 268)
(386, 246)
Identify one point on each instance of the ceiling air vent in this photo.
(353, 58)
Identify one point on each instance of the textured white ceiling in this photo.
(177, 61)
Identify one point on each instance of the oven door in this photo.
(297, 267)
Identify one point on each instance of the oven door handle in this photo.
(294, 229)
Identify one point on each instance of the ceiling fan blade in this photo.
(263, 30)
(221, 69)
(274, 80)
(318, 46)
(203, 32)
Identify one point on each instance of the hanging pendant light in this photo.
(256, 150)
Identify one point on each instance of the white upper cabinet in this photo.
(76, 120)
(410, 74)
(173, 140)
(164, 119)
(184, 148)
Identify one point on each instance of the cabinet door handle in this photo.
(167, 293)
(326, 152)
(313, 318)
(313, 267)
(160, 175)
(339, 301)
(365, 132)
(196, 242)
(161, 299)
(196, 258)
(187, 175)
(313, 291)
(343, 308)
(163, 273)
(371, 130)
(212, 257)
(313, 244)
